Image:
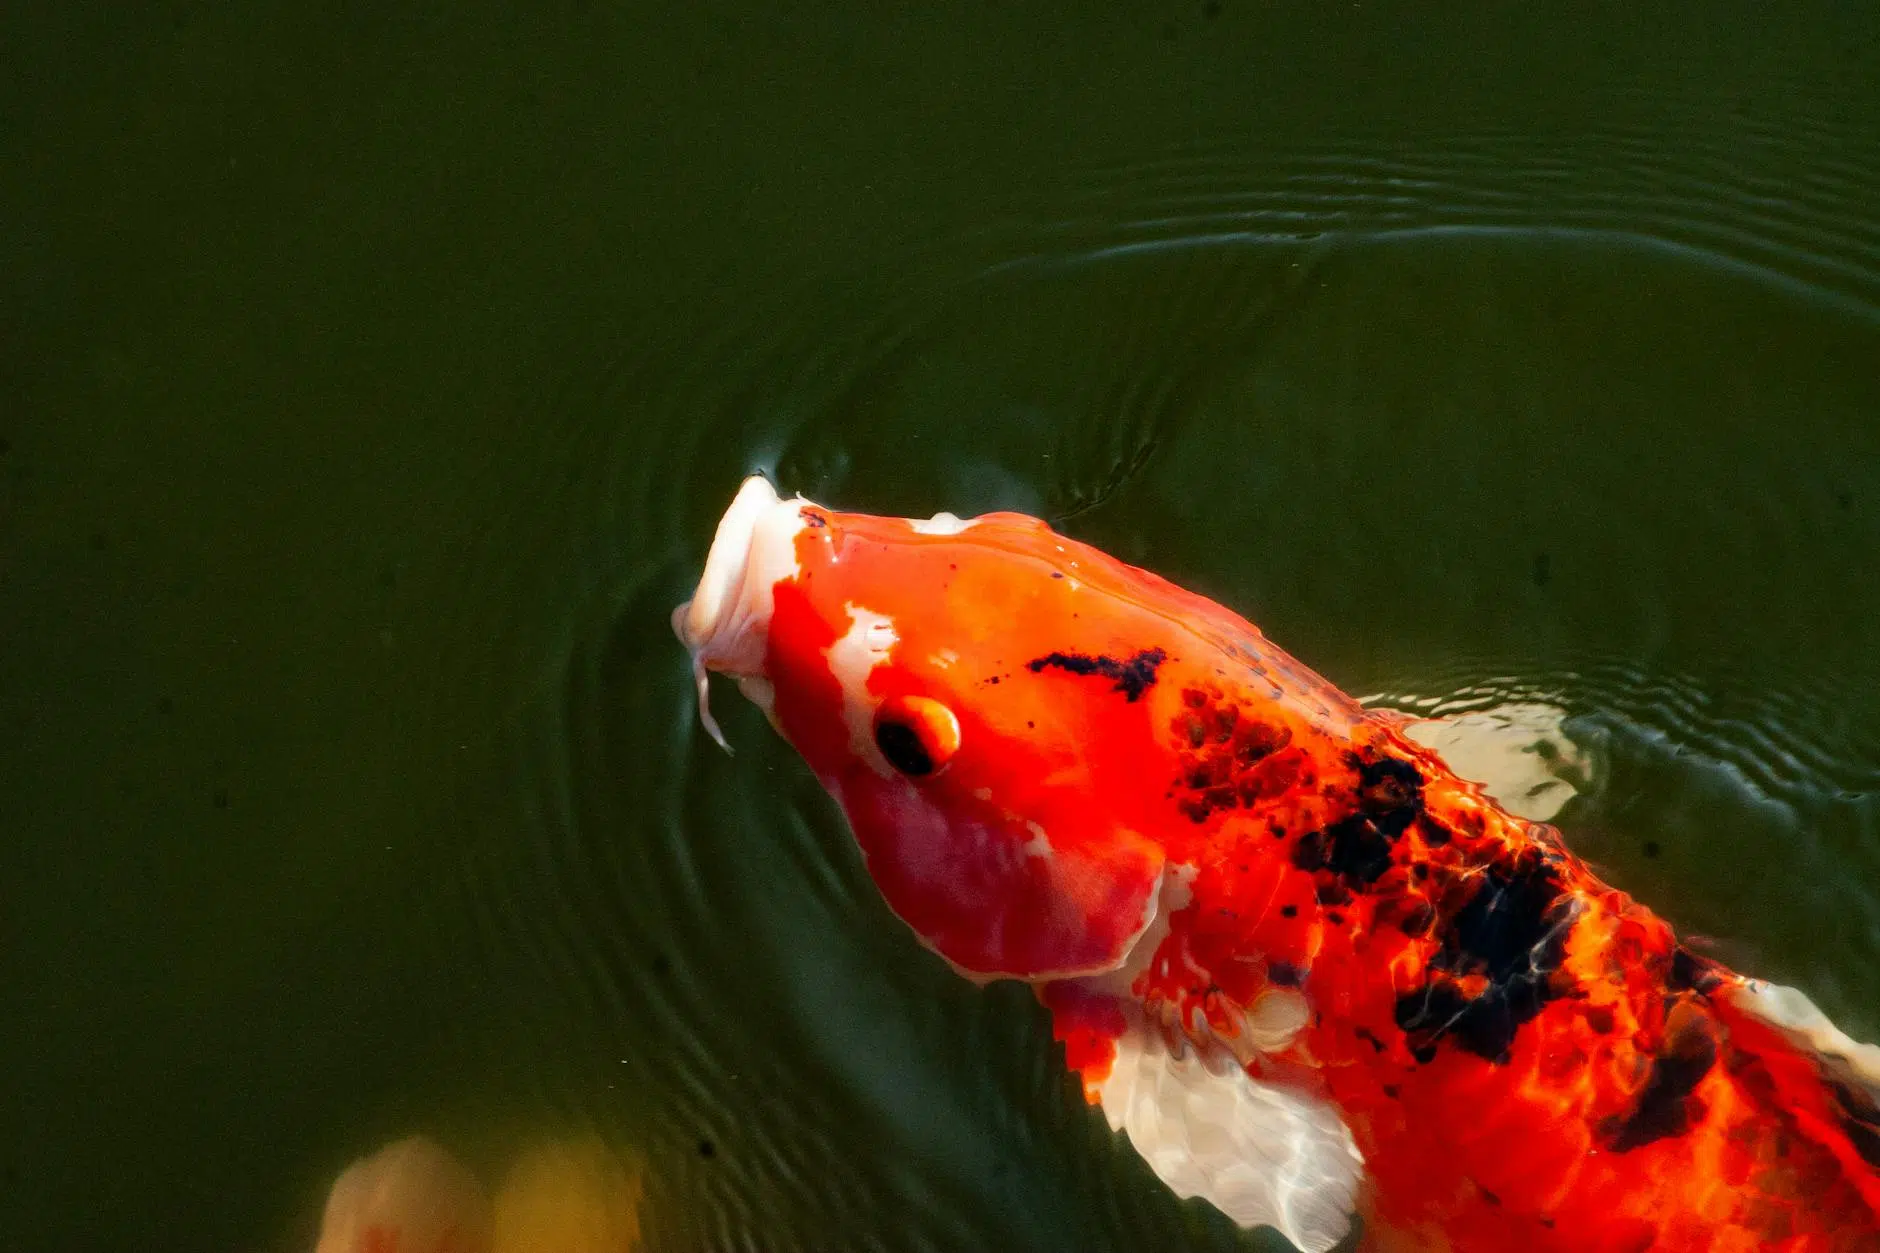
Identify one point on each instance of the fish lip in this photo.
(725, 624)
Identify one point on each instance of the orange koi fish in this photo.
(1310, 972)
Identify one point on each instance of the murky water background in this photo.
(371, 378)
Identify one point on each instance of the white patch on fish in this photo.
(1276, 1018)
(726, 623)
(941, 524)
(866, 644)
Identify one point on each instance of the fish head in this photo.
(987, 700)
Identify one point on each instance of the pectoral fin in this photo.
(1263, 1153)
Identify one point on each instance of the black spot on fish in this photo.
(1353, 848)
(1357, 849)
(1369, 1037)
(1390, 786)
(1513, 932)
(1289, 911)
(1860, 1119)
(1133, 676)
(1333, 894)
(1057, 574)
(1665, 1106)
(1284, 974)
(1689, 971)
(812, 518)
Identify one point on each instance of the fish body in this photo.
(1304, 966)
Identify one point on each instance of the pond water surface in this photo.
(371, 378)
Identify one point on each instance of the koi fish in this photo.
(1310, 972)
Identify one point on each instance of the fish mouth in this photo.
(726, 623)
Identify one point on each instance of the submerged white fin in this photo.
(1518, 752)
(1790, 1012)
(1262, 1153)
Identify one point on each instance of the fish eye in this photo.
(918, 735)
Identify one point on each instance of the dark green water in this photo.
(371, 378)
